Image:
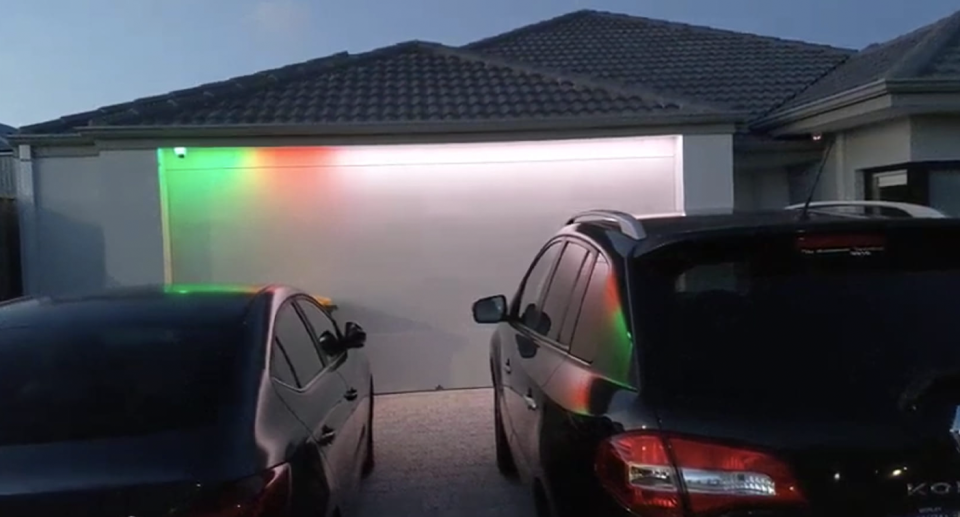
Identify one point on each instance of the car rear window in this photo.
(119, 373)
(837, 323)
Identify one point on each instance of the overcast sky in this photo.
(64, 56)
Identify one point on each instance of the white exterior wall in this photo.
(925, 138)
(707, 165)
(93, 220)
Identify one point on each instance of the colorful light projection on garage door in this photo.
(217, 202)
(350, 223)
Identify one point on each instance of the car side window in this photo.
(535, 283)
(296, 340)
(560, 288)
(322, 326)
(576, 299)
(280, 367)
(594, 325)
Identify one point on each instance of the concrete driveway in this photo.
(435, 457)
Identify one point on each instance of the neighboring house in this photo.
(408, 180)
(7, 179)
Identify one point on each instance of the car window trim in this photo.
(515, 306)
(553, 277)
(334, 360)
(276, 344)
(306, 386)
(586, 272)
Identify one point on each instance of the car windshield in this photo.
(840, 324)
(116, 374)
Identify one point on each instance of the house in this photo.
(10, 276)
(6, 162)
(407, 181)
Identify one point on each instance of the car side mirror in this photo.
(354, 336)
(492, 309)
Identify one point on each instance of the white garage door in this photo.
(403, 238)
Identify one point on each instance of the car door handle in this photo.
(531, 403)
(506, 367)
(351, 394)
(326, 436)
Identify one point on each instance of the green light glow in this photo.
(216, 201)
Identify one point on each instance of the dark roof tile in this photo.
(409, 82)
(930, 52)
(727, 69)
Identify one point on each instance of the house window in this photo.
(934, 184)
(890, 186)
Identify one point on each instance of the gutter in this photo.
(834, 102)
(866, 92)
(89, 134)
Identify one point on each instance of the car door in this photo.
(316, 397)
(546, 352)
(351, 366)
(515, 341)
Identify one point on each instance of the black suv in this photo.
(800, 362)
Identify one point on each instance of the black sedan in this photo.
(179, 401)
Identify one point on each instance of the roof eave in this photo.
(873, 90)
(843, 99)
(91, 133)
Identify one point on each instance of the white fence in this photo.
(8, 175)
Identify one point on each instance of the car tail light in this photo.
(264, 495)
(659, 475)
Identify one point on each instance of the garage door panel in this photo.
(404, 248)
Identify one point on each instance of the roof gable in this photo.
(727, 69)
(410, 82)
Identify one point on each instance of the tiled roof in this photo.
(4, 131)
(723, 68)
(409, 82)
(930, 52)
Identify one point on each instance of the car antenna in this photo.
(805, 212)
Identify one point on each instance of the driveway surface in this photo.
(435, 457)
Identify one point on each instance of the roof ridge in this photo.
(528, 28)
(917, 58)
(613, 87)
(715, 30)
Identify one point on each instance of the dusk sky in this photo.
(61, 56)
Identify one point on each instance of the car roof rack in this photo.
(907, 209)
(629, 224)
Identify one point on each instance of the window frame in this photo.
(276, 347)
(327, 361)
(557, 342)
(303, 386)
(573, 333)
(518, 297)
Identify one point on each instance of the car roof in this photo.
(180, 301)
(664, 228)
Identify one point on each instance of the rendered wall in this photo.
(90, 220)
(405, 238)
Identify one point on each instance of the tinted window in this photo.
(576, 300)
(840, 325)
(280, 366)
(600, 313)
(112, 377)
(322, 326)
(298, 344)
(557, 300)
(535, 283)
